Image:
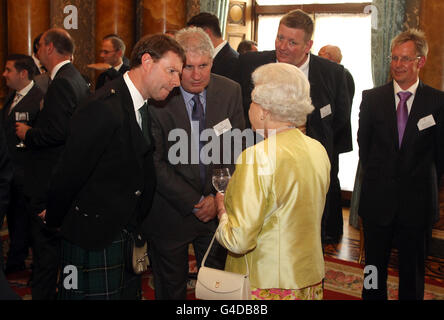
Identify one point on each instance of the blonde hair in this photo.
(283, 90)
(415, 35)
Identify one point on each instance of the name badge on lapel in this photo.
(222, 127)
(426, 122)
(325, 111)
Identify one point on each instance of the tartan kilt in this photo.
(102, 274)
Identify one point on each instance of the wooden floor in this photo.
(348, 250)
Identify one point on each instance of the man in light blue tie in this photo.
(401, 146)
(183, 209)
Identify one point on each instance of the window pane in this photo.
(352, 34)
(267, 30)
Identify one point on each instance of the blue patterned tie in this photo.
(402, 114)
(199, 116)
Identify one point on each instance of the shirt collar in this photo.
(136, 96)
(305, 66)
(26, 89)
(117, 68)
(58, 67)
(218, 48)
(412, 89)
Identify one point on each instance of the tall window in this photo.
(351, 32)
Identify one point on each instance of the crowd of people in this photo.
(83, 172)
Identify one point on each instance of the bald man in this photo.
(45, 142)
(333, 53)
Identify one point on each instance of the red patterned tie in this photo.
(402, 113)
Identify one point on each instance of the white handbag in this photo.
(214, 284)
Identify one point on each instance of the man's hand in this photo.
(21, 129)
(206, 209)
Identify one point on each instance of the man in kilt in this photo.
(104, 184)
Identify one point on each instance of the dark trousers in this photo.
(411, 243)
(45, 250)
(18, 225)
(332, 220)
(169, 262)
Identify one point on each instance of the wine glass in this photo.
(24, 118)
(220, 179)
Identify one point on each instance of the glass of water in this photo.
(220, 179)
(22, 117)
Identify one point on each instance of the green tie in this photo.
(145, 128)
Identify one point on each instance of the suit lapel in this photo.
(212, 116)
(7, 105)
(388, 106)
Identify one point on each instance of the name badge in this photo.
(426, 122)
(325, 111)
(222, 127)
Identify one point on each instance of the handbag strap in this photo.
(208, 251)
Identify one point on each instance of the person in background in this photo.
(330, 122)
(41, 78)
(45, 141)
(401, 150)
(333, 53)
(112, 53)
(35, 55)
(225, 57)
(6, 172)
(25, 97)
(247, 46)
(274, 202)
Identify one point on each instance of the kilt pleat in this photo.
(101, 274)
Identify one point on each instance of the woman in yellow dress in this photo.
(273, 205)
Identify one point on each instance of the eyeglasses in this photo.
(403, 59)
(106, 51)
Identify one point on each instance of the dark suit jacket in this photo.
(5, 174)
(47, 137)
(105, 179)
(111, 74)
(179, 187)
(31, 104)
(400, 183)
(328, 87)
(350, 84)
(225, 62)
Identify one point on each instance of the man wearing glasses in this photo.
(112, 53)
(401, 146)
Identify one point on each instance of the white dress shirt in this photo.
(57, 68)
(136, 96)
(412, 89)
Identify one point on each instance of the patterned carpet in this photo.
(347, 278)
(343, 280)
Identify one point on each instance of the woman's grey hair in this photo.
(195, 40)
(283, 90)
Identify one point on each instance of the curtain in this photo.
(388, 17)
(390, 22)
(219, 8)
